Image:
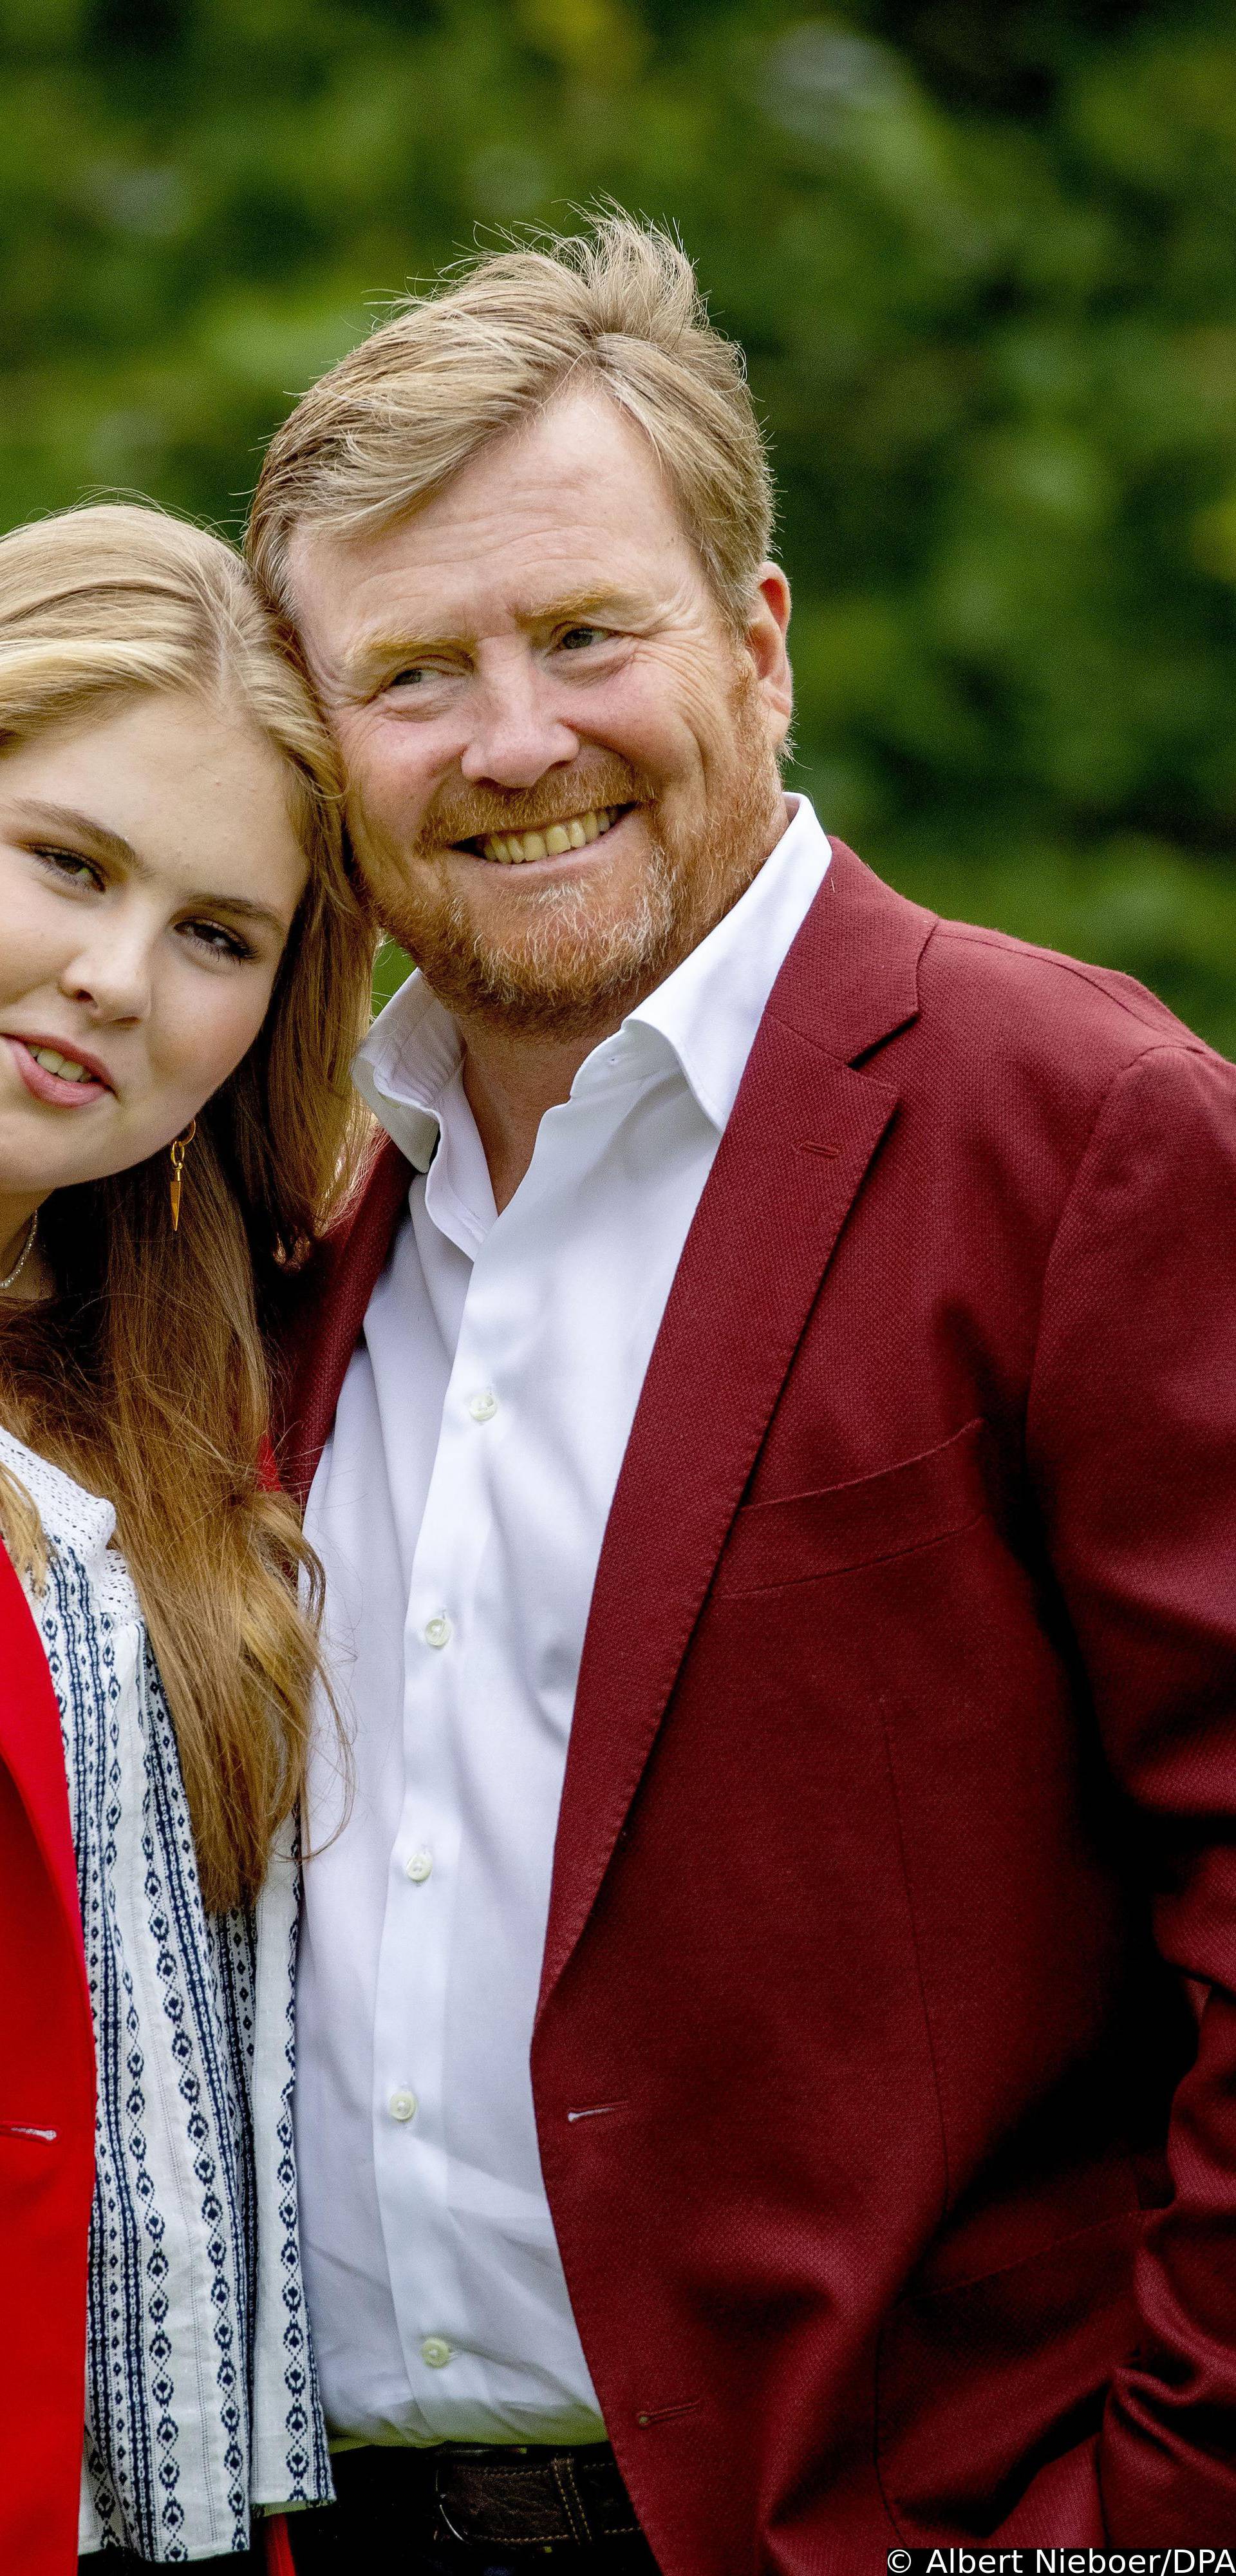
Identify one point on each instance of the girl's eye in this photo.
(71, 866)
(220, 942)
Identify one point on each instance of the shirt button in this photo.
(419, 1867)
(403, 2106)
(438, 1631)
(483, 1407)
(436, 2351)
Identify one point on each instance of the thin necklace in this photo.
(24, 1255)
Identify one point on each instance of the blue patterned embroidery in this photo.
(308, 2454)
(201, 2394)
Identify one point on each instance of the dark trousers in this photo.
(388, 2520)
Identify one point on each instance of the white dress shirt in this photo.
(459, 1509)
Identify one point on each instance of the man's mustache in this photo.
(480, 814)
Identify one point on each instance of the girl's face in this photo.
(149, 873)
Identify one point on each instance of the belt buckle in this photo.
(446, 2459)
(443, 2527)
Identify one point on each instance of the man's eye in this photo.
(577, 638)
(411, 677)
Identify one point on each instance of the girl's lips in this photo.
(52, 1087)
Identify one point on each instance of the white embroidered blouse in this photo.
(201, 2396)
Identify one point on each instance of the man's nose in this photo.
(516, 733)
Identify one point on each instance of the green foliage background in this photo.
(983, 260)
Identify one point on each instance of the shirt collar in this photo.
(707, 1012)
(406, 1067)
(709, 1009)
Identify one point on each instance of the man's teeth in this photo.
(64, 1065)
(517, 848)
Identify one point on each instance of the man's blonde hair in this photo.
(617, 307)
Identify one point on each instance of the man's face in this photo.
(562, 762)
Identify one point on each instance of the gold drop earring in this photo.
(178, 1150)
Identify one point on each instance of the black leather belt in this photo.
(530, 2498)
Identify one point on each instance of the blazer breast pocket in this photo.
(796, 1538)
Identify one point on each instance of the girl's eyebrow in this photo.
(43, 819)
(241, 904)
(65, 818)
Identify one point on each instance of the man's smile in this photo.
(552, 841)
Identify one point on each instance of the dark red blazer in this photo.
(895, 1879)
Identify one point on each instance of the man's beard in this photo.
(567, 965)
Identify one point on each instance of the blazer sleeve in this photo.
(1132, 1448)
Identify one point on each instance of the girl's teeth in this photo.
(517, 849)
(61, 1064)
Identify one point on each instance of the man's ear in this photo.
(765, 637)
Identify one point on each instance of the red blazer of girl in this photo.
(46, 2116)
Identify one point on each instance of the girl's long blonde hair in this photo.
(144, 1374)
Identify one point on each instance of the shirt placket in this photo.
(411, 2036)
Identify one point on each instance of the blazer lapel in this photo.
(326, 1322)
(801, 1137)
